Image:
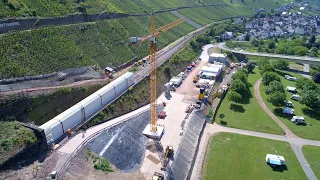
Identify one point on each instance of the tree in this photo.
(221, 116)
(261, 63)
(270, 76)
(234, 96)
(242, 76)
(311, 99)
(247, 37)
(305, 84)
(277, 98)
(194, 44)
(316, 78)
(251, 66)
(312, 39)
(267, 68)
(280, 64)
(238, 86)
(274, 86)
(82, 7)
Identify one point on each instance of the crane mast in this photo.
(153, 65)
(153, 76)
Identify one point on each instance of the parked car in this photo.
(288, 111)
(295, 97)
(298, 120)
(290, 78)
(291, 89)
(288, 104)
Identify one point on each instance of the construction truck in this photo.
(157, 176)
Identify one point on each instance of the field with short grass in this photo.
(312, 154)
(310, 131)
(233, 156)
(248, 115)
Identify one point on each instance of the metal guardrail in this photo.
(75, 152)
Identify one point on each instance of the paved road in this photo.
(302, 59)
(305, 166)
(189, 21)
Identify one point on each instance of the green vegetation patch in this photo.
(13, 138)
(99, 163)
(248, 114)
(233, 156)
(312, 154)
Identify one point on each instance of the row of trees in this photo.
(274, 88)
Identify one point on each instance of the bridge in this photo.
(297, 59)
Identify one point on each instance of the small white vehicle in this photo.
(291, 89)
(288, 104)
(298, 120)
(295, 97)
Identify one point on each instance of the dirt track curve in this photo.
(257, 94)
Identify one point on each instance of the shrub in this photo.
(269, 77)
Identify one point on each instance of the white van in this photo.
(295, 97)
(290, 78)
(298, 120)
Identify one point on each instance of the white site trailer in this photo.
(272, 159)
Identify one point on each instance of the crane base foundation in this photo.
(153, 135)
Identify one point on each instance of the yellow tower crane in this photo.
(153, 64)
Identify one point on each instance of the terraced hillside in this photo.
(62, 7)
(25, 8)
(104, 43)
(205, 15)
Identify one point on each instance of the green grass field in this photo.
(248, 116)
(307, 132)
(233, 156)
(312, 154)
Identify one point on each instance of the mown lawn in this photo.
(233, 156)
(312, 154)
(248, 116)
(311, 131)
